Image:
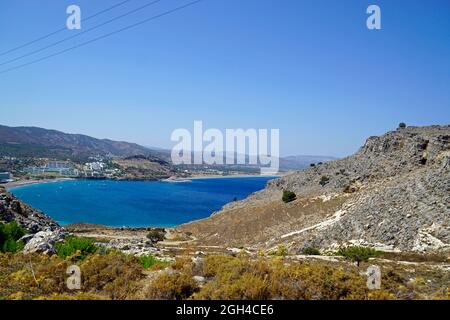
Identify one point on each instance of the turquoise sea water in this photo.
(136, 203)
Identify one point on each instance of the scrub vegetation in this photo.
(114, 275)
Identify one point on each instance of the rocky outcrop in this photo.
(42, 242)
(393, 193)
(42, 231)
(392, 155)
(12, 209)
(136, 247)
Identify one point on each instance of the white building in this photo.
(5, 177)
(95, 166)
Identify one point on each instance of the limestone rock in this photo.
(43, 242)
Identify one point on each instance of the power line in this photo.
(104, 36)
(82, 32)
(62, 29)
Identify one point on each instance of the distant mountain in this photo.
(39, 142)
(290, 163)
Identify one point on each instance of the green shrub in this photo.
(288, 196)
(151, 261)
(77, 247)
(281, 251)
(324, 180)
(156, 235)
(402, 125)
(10, 233)
(358, 254)
(310, 251)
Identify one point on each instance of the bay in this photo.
(136, 203)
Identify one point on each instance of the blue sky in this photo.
(310, 68)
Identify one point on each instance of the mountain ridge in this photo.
(17, 140)
(32, 141)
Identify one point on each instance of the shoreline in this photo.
(187, 179)
(21, 183)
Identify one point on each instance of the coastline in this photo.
(21, 183)
(198, 177)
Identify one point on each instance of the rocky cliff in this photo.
(42, 231)
(12, 209)
(393, 193)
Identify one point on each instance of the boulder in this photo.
(43, 242)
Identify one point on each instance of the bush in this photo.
(175, 285)
(156, 235)
(358, 254)
(239, 278)
(75, 247)
(324, 180)
(114, 274)
(310, 251)
(288, 196)
(10, 233)
(109, 275)
(151, 261)
(17, 281)
(402, 125)
(281, 251)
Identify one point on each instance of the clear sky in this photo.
(310, 68)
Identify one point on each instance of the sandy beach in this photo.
(20, 183)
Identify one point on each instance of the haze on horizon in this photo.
(311, 69)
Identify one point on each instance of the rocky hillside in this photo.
(12, 209)
(42, 232)
(144, 167)
(394, 193)
(39, 142)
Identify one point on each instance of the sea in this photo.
(136, 203)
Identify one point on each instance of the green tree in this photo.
(288, 196)
(358, 254)
(10, 233)
(402, 125)
(156, 235)
(310, 251)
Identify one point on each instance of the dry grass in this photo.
(116, 276)
(249, 225)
